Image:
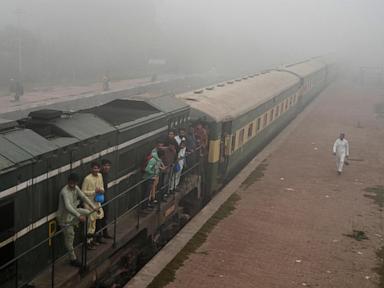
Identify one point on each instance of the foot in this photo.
(107, 236)
(95, 243)
(75, 263)
(338, 172)
(100, 241)
(155, 202)
(90, 246)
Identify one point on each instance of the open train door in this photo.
(225, 146)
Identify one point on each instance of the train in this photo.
(38, 152)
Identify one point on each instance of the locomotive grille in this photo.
(120, 111)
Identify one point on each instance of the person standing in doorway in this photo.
(341, 150)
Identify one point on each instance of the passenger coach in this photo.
(245, 114)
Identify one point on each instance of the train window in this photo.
(6, 254)
(286, 105)
(277, 111)
(265, 120)
(271, 115)
(258, 124)
(241, 137)
(7, 223)
(250, 130)
(233, 143)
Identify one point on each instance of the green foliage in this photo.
(378, 196)
(256, 175)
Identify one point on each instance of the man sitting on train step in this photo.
(93, 186)
(69, 215)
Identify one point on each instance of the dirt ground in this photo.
(289, 227)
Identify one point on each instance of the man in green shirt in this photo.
(69, 215)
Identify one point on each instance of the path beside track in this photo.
(289, 227)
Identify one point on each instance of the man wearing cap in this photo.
(341, 150)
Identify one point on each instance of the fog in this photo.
(77, 41)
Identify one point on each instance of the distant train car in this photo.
(245, 114)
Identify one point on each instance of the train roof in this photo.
(21, 145)
(121, 111)
(306, 68)
(47, 130)
(228, 101)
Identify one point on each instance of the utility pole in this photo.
(18, 14)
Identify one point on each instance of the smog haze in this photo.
(83, 39)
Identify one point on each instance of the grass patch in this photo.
(256, 175)
(358, 235)
(380, 268)
(168, 274)
(378, 196)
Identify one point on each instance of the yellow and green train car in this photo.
(243, 115)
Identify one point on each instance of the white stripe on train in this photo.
(65, 168)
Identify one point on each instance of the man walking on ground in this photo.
(17, 88)
(69, 215)
(341, 150)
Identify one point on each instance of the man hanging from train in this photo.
(69, 215)
(341, 150)
(101, 224)
(182, 134)
(202, 137)
(93, 188)
(171, 150)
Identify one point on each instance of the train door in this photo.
(225, 146)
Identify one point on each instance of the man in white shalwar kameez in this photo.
(341, 150)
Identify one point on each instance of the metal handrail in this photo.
(114, 222)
